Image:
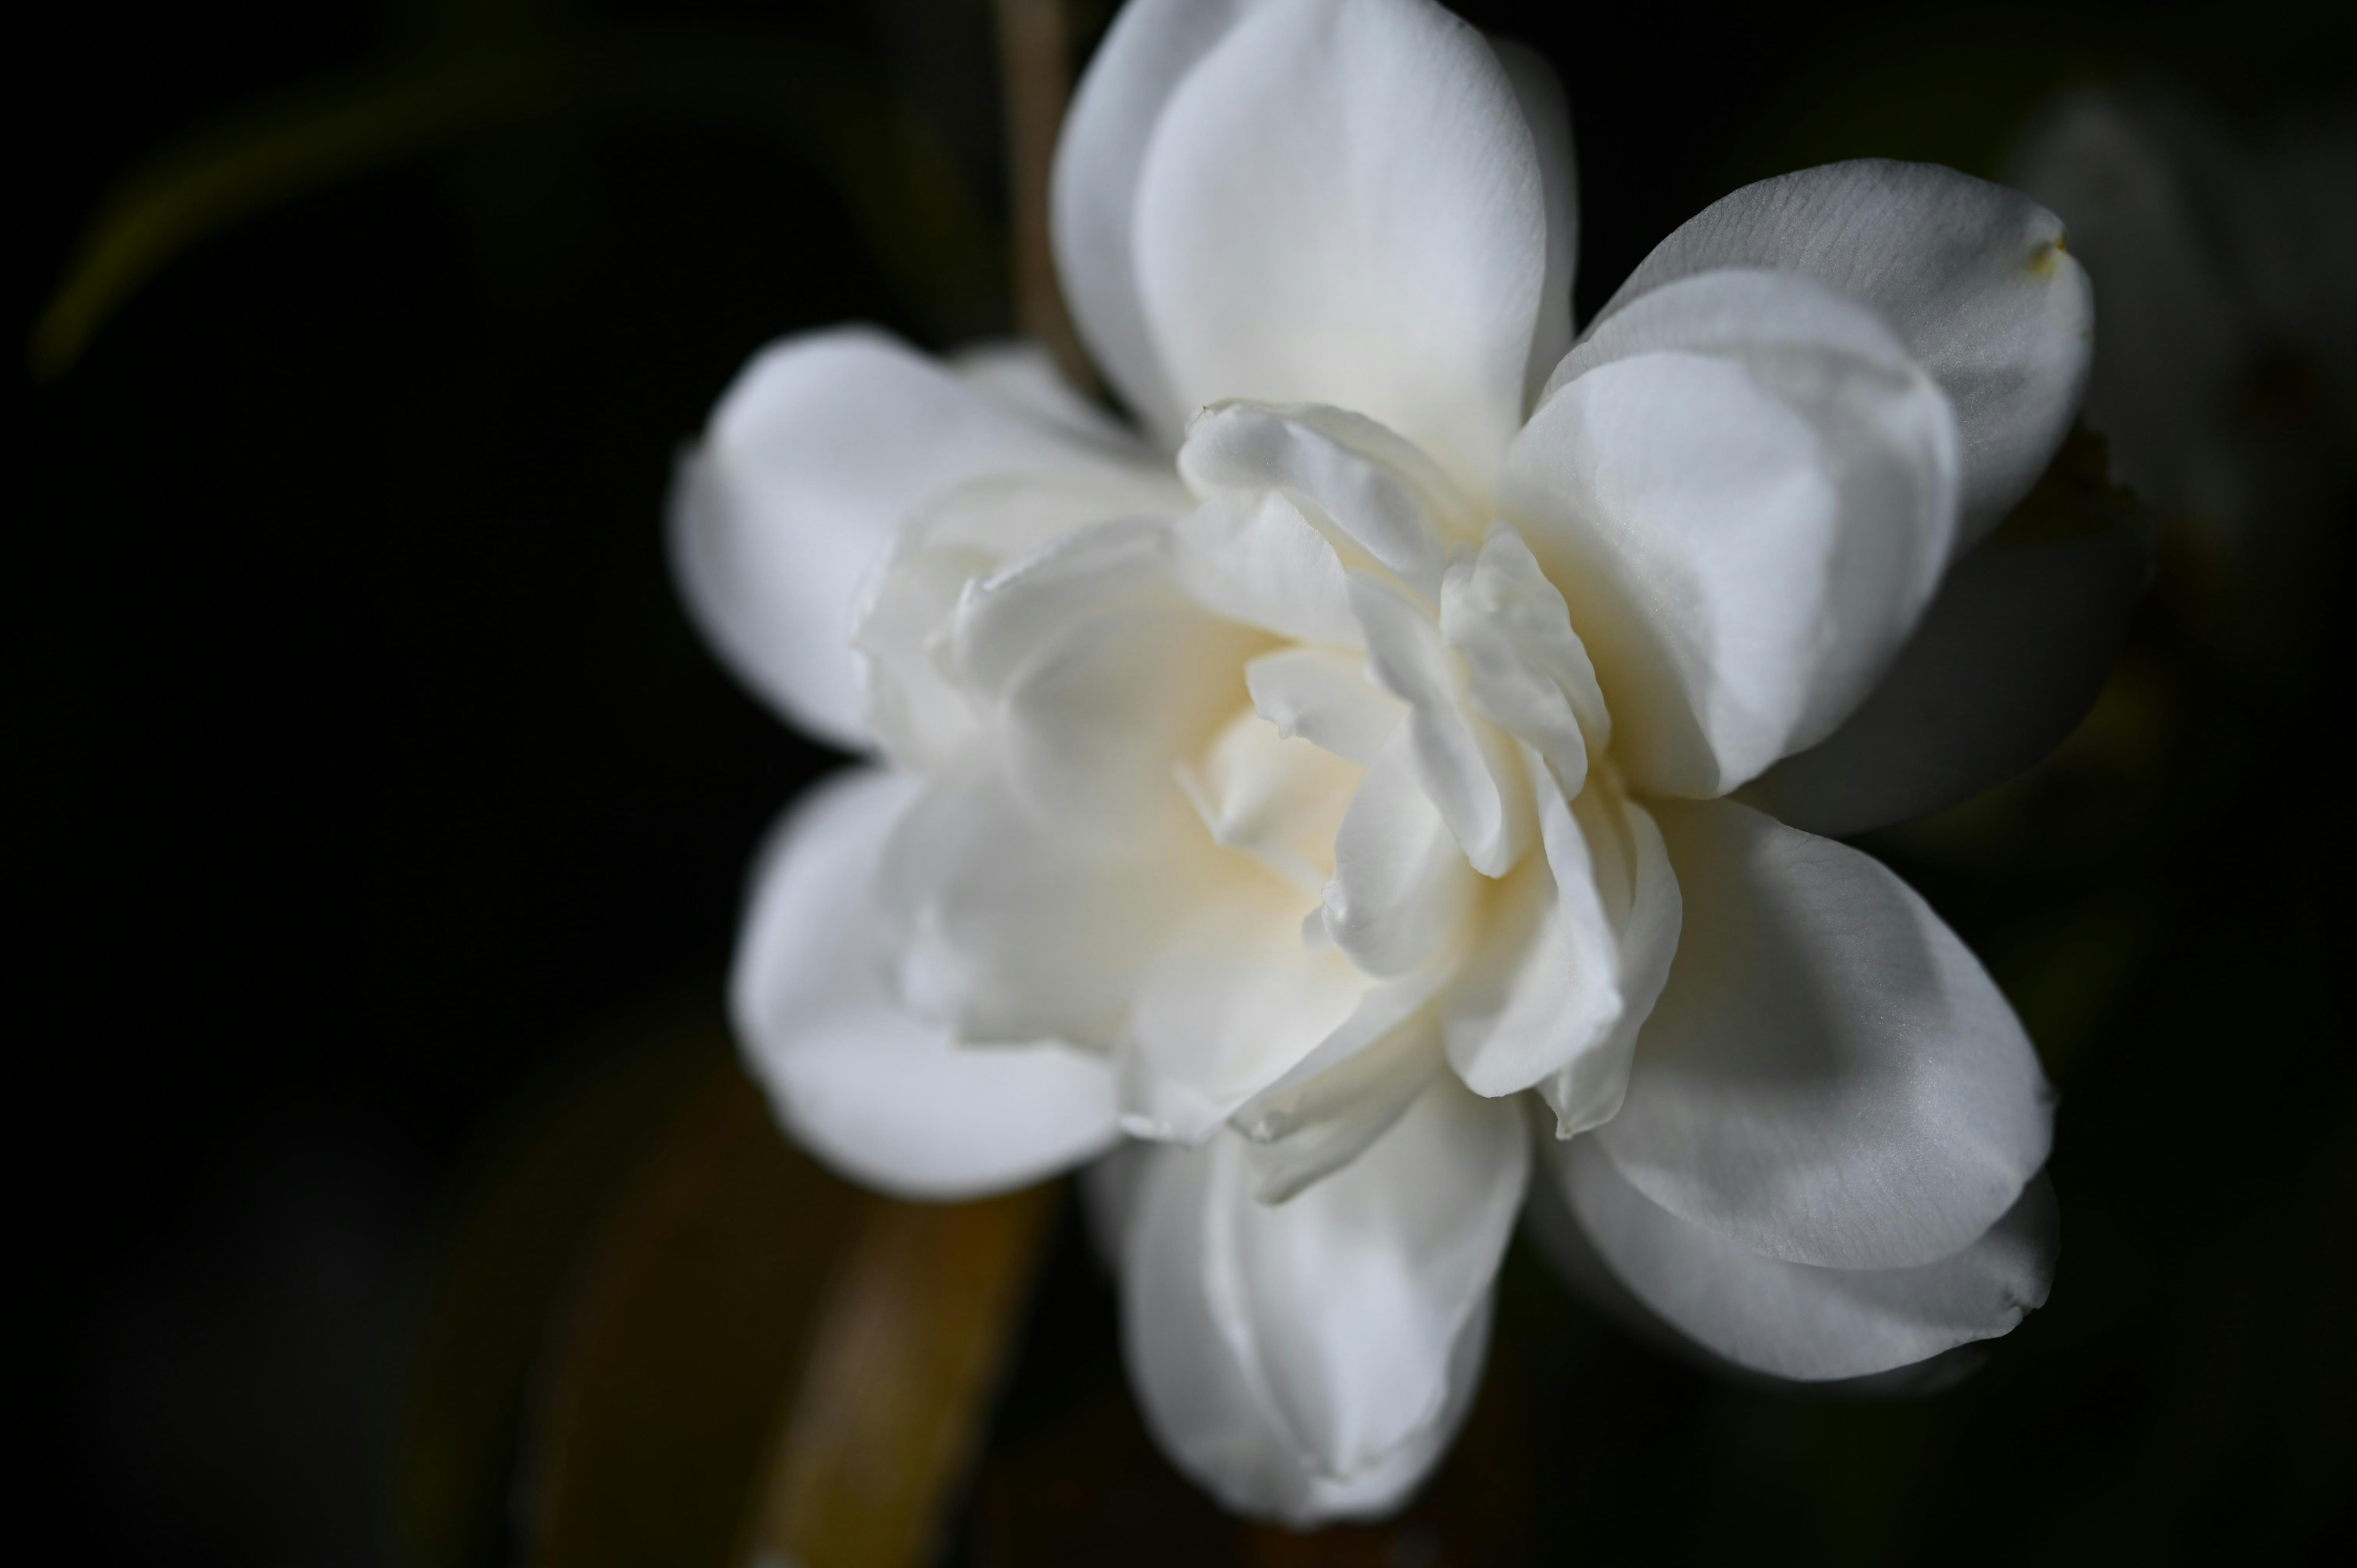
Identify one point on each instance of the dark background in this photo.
(365, 768)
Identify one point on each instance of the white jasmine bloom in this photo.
(1312, 784)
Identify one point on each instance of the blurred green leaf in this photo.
(480, 75)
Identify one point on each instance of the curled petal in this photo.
(1325, 698)
(1252, 556)
(1347, 1093)
(1747, 513)
(1793, 1320)
(1829, 1077)
(1401, 887)
(882, 1096)
(1303, 219)
(1310, 1361)
(1468, 769)
(820, 449)
(1233, 1000)
(1379, 493)
(1975, 278)
(1526, 670)
(1575, 953)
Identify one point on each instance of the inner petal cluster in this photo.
(1286, 792)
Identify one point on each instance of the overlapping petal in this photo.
(816, 454)
(1975, 278)
(1746, 491)
(1829, 1076)
(1793, 1320)
(878, 1093)
(1310, 1359)
(1304, 215)
(1575, 955)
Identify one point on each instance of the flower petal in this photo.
(1549, 114)
(1815, 1324)
(1252, 556)
(1330, 1330)
(1232, 1000)
(1379, 493)
(1343, 204)
(1401, 887)
(877, 1093)
(821, 448)
(1004, 929)
(2009, 659)
(1334, 1102)
(1973, 276)
(1278, 799)
(1829, 1077)
(1746, 492)
(1468, 769)
(1325, 698)
(1526, 670)
(1198, 1375)
(1147, 51)
(1575, 953)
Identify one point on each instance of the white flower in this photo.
(1296, 809)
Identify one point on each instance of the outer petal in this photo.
(1147, 53)
(1815, 1324)
(879, 1094)
(1538, 91)
(818, 451)
(1746, 491)
(2008, 660)
(1310, 1361)
(1973, 276)
(1343, 204)
(1829, 1077)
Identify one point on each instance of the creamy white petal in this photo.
(1023, 377)
(1829, 1077)
(1526, 670)
(818, 451)
(1343, 204)
(1324, 697)
(1278, 799)
(1793, 1320)
(1575, 953)
(916, 707)
(1008, 929)
(1354, 1292)
(1545, 109)
(1252, 556)
(1401, 889)
(1343, 1313)
(1746, 528)
(1096, 728)
(1147, 51)
(1973, 276)
(1344, 1095)
(877, 1093)
(2008, 660)
(1197, 1363)
(1468, 769)
(1381, 493)
(1230, 1002)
